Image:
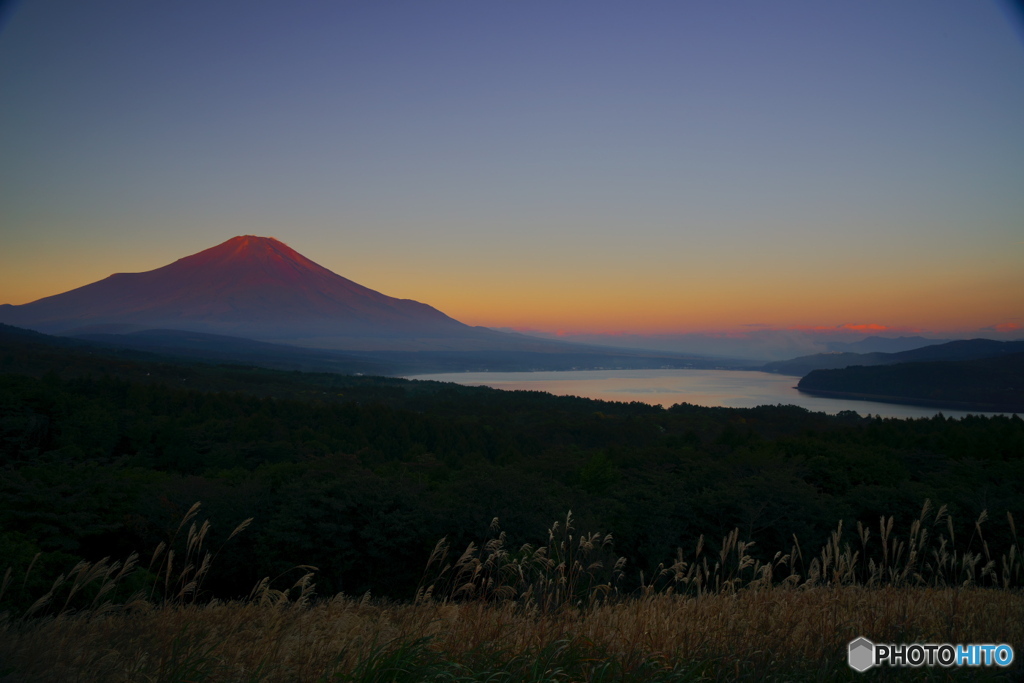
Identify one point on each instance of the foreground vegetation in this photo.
(101, 456)
(759, 635)
(547, 613)
(744, 544)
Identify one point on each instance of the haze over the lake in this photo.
(582, 166)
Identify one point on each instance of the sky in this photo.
(660, 167)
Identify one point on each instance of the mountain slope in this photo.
(212, 304)
(248, 286)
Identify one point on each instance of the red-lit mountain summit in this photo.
(255, 287)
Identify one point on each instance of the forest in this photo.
(103, 454)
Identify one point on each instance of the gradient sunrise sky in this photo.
(659, 166)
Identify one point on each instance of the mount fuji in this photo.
(255, 299)
(256, 288)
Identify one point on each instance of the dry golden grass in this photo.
(751, 633)
(548, 613)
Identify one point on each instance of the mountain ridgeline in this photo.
(255, 300)
(248, 286)
(964, 349)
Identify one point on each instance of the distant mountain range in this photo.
(179, 345)
(967, 349)
(255, 300)
(876, 344)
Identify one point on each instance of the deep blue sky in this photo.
(578, 164)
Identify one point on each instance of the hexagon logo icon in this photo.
(862, 654)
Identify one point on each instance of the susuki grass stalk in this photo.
(573, 569)
(545, 613)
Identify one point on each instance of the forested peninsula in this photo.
(984, 384)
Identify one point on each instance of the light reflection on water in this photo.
(728, 388)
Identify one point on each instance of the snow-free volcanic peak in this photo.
(248, 286)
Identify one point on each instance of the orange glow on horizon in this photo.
(702, 300)
(746, 331)
(680, 294)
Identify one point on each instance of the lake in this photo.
(727, 388)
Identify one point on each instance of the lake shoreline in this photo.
(732, 388)
(912, 401)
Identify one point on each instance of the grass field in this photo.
(773, 634)
(548, 613)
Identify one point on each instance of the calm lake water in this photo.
(728, 388)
